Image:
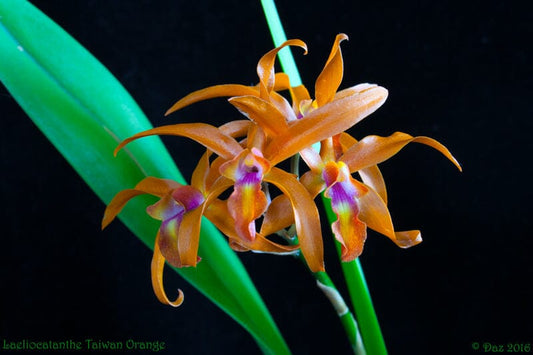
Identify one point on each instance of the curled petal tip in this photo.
(179, 300)
(342, 37)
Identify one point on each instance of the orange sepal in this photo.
(330, 78)
(211, 92)
(217, 213)
(305, 217)
(373, 150)
(203, 133)
(261, 112)
(158, 264)
(374, 212)
(371, 175)
(299, 94)
(265, 67)
(149, 185)
(278, 216)
(324, 122)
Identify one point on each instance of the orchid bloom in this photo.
(243, 155)
(356, 204)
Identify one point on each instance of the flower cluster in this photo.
(243, 156)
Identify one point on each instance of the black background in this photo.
(456, 71)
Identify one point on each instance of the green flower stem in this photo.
(347, 319)
(360, 296)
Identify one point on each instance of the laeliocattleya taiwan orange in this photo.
(243, 156)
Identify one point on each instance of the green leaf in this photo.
(84, 111)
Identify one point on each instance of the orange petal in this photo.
(324, 122)
(281, 82)
(305, 216)
(189, 236)
(217, 213)
(203, 133)
(265, 67)
(256, 138)
(212, 92)
(407, 239)
(374, 212)
(158, 264)
(313, 182)
(373, 150)
(283, 106)
(236, 129)
(312, 159)
(330, 78)
(149, 185)
(299, 94)
(278, 216)
(157, 187)
(201, 172)
(261, 112)
(371, 176)
(117, 204)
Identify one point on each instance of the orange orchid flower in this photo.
(243, 155)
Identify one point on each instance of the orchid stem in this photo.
(348, 321)
(346, 317)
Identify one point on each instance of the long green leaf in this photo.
(84, 111)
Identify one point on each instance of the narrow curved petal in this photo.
(281, 82)
(283, 106)
(299, 94)
(407, 239)
(324, 122)
(211, 92)
(189, 236)
(149, 185)
(201, 172)
(156, 186)
(261, 112)
(313, 182)
(278, 216)
(256, 138)
(330, 78)
(217, 213)
(117, 204)
(265, 67)
(158, 264)
(374, 212)
(305, 217)
(371, 175)
(203, 133)
(373, 150)
(235, 129)
(312, 159)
